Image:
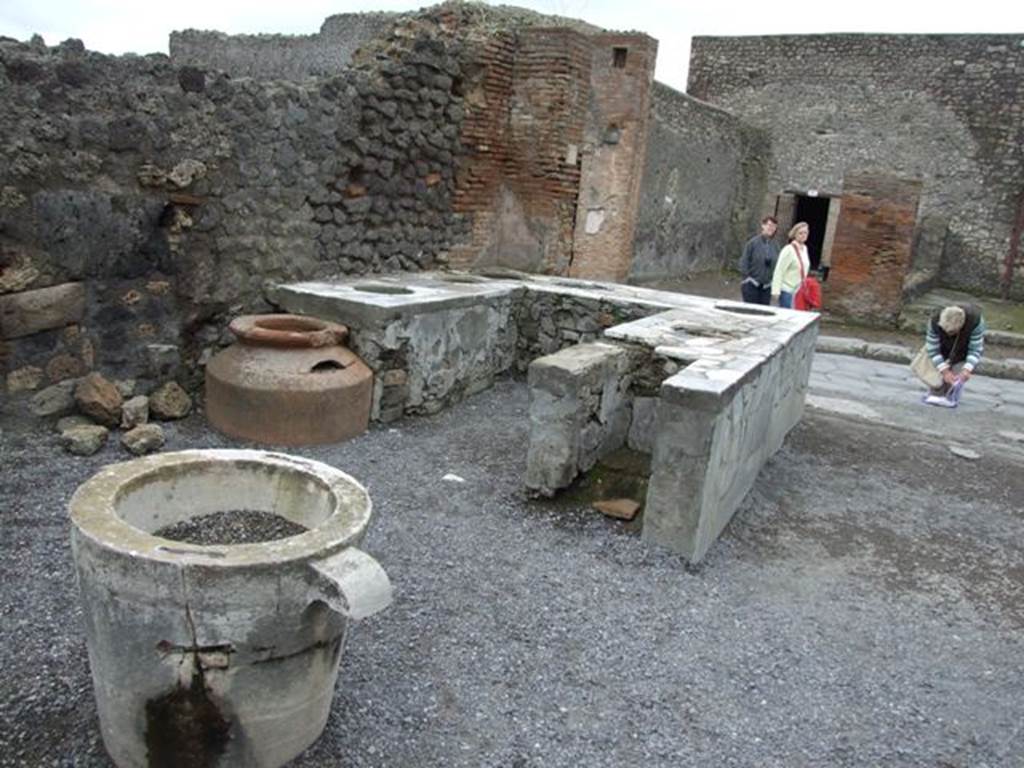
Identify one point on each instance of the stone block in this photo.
(145, 438)
(889, 353)
(55, 400)
(620, 509)
(24, 379)
(70, 422)
(28, 312)
(841, 345)
(170, 402)
(64, 366)
(162, 361)
(84, 440)
(579, 411)
(98, 399)
(134, 412)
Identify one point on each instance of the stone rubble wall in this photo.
(281, 57)
(550, 321)
(703, 186)
(170, 195)
(580, 411)
(941, 108)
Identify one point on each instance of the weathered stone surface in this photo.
(125, 386)
(64, 366)
(1007, 368)
(24, 379)
(84, 440)
(69, 422)
(170, 402)
(889, 353)
(55, 400)
(98, 399)
(620, 509)
(134, 412)
(579, 412)
(964, 453)
(162, 361)
(17, 276)
(145, 438)
(29, 312)
(841, 345)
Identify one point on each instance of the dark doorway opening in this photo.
(813, 210)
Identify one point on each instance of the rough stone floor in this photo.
(864, 608)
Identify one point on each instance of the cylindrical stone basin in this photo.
(288, 381)
(223, 654)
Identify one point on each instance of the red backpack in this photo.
(808, 295)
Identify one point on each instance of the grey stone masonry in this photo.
(431, 339)
(711, 387)
(580, 411)
(720, 418)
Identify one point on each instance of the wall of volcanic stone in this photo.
(161, 198)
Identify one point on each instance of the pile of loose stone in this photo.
(88, 408)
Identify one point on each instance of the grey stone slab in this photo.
(841, 345)
(28, 312)
(891, 353)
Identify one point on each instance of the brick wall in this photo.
(523, 129)
(621, 74)
(871, 252)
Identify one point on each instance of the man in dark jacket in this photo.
(955, 340)
(758, 263)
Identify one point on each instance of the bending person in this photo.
(955, 341)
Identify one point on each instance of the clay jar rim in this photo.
(287, 331)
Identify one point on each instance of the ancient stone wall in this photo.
(281, 57)
(703, 183)
(942, 108)
(169, 195)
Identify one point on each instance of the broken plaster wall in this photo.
(703, 183)
(945, 109)
(168, 195)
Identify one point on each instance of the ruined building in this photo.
(144, 201)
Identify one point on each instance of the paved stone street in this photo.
(990, 417)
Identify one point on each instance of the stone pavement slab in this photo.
(888, 393)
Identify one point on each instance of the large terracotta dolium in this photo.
(289, 380)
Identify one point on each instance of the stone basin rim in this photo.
(94, 511)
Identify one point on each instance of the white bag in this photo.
(923, 367)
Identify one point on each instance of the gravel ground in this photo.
(864, 608)
(233, 526)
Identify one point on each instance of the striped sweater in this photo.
(948, 349)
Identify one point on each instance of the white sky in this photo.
(143, 26)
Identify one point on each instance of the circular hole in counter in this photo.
(381, 288)
(582, 285)
(743, 310)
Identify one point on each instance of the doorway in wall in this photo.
(820, 211)
(813, 210)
